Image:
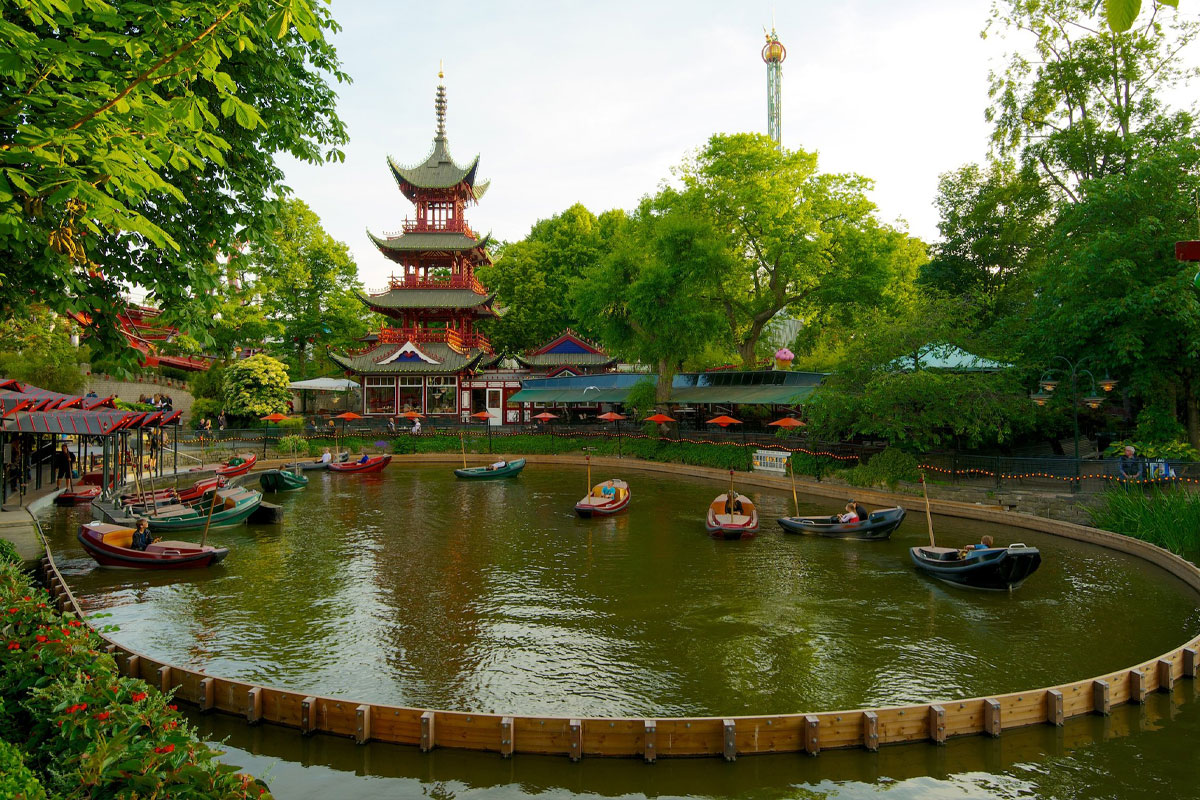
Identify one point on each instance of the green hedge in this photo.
(16, 779)
(1169, 518)
(86, 730)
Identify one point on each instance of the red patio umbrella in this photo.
(659, 418)
(612, 416)
(545, 416)
(787, 422)
(486, 417)
(413, 415)
(344, 416)
(725, 422)
(269, 418)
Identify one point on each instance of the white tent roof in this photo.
(325, 384)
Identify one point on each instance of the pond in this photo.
(412, 587)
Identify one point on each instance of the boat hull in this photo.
(198, 519)
(80, 496)
(237, 469)
(483, 473)
(274, 480)
(994, 568)
(731, 520)
(316, 465)
(374, 464)
(876, 527)
(620, 501)
(158, 556)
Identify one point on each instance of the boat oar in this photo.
(732, 497)
(928, 516)
(463, 443)
(792, 472)
(589, 476)
(212, 506)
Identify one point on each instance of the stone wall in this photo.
(129, 391)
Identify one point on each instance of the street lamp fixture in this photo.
(1094, 401)
(1039, 398)
(1048, 384)
(1108, 384)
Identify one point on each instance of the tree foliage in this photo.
(138, 142)
(256, 386)
(36, 348)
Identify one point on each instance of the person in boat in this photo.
(365, 458)
(985, 543)
(608, 489)
(861, 510)
(497, 465)
(326, 457)
(737, 504)
(141, 535)
(850, 515)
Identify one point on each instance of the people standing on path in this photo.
(61, 465)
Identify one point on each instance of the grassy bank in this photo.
(1169, 518)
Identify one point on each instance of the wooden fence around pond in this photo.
(728, 737)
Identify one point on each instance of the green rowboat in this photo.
(276, 480)
(233, 506)
(508, 469)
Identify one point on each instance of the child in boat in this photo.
(972, 549)
(851, 514)
(141, 535)
(608, 490)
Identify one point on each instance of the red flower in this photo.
(173, 707)
(26, 598)
(169, 725)
(41, 605)
(138, 697)
(167, 749)
(40, 637)
(103, 715)
(13, 610)
(14, 645)
(74, 623)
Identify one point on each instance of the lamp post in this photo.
(1047, 384)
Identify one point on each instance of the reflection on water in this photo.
(411, 587)
(1139, 752)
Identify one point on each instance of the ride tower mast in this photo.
(773, 53)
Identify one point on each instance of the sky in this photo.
(594, 103)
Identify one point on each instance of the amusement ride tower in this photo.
(773, 53)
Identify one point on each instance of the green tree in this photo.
(36, 348)
(307, 281)
(1088, 103)
(532, 277)
(256, 386)
(645, 297)
(799, 239)
(1111, 290)
(138, 141)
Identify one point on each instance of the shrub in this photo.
(256, 386)
(16, 781)
(889, 467)
(1158, 424)
(293, 444)
(8, 553)
(1174, 451)
(206, 407)
(92, 732)
(1167, 518)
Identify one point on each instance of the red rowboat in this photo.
(372, 464)
(109, 545)
(193, 492)
(598, 504)
(80, 495)
(232, 470)
(737, 520)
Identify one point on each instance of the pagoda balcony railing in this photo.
(414, 281)
(462, 342)
(432, 226)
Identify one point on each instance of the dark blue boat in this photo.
(995, 568)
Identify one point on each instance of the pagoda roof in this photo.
(568, 348)
(425, 242)
(371, 362)
(427, 298)
(437, 171)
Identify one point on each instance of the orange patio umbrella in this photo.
(485, 416)
(724, 421)
(345, 415)
(413, 415)
(545, 416)
(269, 418)
(659, 418)
(612, 416)
(787, 422)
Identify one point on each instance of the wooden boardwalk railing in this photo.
(727, 737)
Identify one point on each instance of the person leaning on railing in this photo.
(1129, 466)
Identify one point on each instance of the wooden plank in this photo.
(111, 649)
(991, 717)
(729, 739)
(308, 715)
(207, 694)
(362, 724)
(576, 727)
(937, 724)
(507, 739)
(133, 666)
(1166, 675)
(1101, 697)
(650, 741)
(254, 705)
(812, 734)
(282, 707)
(1190, 657)
(401, 726)
(870, 730)
(164, 680)
(1054, 707)
(428, 731)
(1137, 686)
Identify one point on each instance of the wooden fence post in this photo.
(254, 705)
(308, 715)
(164, 679)
(649, 748)
(937, 724)
(991, 717)
(1101, 698)
(1166, 675)
(1189, 662)
(871, 730)
(133, 666)
(812, 734)
(1054, 707)
(1137, 686)
(428, 732)
(506, 737)
(362, 724)
(208, 690)
(576, 728)
(729, 728)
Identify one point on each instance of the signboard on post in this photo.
(771, 461)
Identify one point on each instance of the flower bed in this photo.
(82, 729)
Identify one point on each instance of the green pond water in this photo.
(411, 587)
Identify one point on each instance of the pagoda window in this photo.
(439, 214)
(379, 394)
(441, 395)
(408, 396)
